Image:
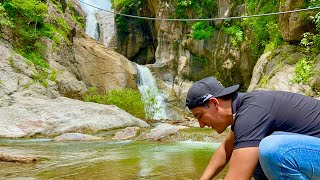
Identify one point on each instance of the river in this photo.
(106, 160)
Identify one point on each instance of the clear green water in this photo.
(106, 160)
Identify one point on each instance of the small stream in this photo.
(106, 160)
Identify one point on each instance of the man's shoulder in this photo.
(258, 96)
(263, 95)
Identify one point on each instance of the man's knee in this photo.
(269, 148)
(270, 153)
(280, 155)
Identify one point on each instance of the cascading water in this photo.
(91, 24)
(155, 106)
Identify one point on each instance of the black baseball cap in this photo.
(204, 89)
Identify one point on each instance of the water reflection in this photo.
(107, 160)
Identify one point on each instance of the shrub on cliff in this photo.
(126, 99)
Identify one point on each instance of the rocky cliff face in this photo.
(179, 58)
(136, 38)
(293, 67)
(102, 68)
(92, 62)
(293, 25)
(31, 97)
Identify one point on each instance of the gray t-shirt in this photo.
(260, 113)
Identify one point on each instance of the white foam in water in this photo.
(148, 88)
(26, 140)
(121, 142)
(192, 143)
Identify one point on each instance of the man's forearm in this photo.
(218, 161)
(220, 158)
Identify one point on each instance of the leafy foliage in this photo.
(195, 8)
(186, 8)
(4, 19)
(275, 38)
(28, 19)
(263, 30)
(121, 3)
(303, 71)
(235, 33)
(314, 3)
(126, 24)
(202, 30)
(28, 16)
(126, 99)
(79, 19)
(312, 41)
(151, 105)
(31, 11)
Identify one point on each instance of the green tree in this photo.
(4, 19)
(30, 12)
(202, 30)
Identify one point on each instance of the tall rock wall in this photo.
(179, 58)
(102, 68)
(293, 25)
(87, 60)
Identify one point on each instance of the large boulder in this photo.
(276, 70)
(68, 85)
(162, 131)
(27, 107)
(29, 116)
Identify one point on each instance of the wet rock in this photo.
(17, 159)
(76, 137)
(187, 122)
(126, 133)
(161, 131)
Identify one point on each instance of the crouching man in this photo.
(274, 134)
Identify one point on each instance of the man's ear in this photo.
(214, 101)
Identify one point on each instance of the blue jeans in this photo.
(291, 156)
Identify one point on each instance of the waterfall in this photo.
(155, 106)
(91, 23)
(154, 103)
